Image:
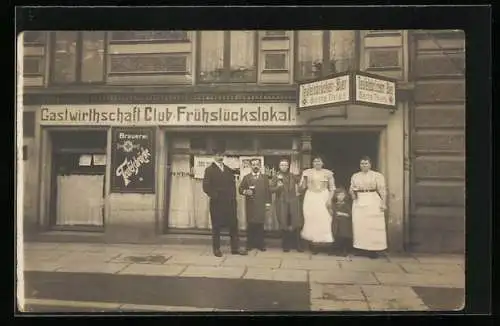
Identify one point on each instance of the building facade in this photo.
(117, 126)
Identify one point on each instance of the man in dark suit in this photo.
(255, 187)
(220, 186)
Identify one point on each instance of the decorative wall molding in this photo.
(152, 95)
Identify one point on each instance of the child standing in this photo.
(341, 222)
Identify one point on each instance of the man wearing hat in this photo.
(220, 187)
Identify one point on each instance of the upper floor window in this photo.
(319, 53)
(275, 34)
(227, 56)
(149, 36)
(34, 38)
(78, 57)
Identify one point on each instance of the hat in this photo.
(219, 147)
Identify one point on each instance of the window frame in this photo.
(325, 71)
(226, 59)
(186, 72)
(189, 39)
(286, 68)
(285, 36)
(79, 57)
(41, 66)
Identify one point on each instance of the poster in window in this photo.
(85, 160)
(200, 164)
(133, 160)
(245, 164)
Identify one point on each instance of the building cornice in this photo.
(157, 95)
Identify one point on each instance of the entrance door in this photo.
(341, 152)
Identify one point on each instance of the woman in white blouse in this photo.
(319, 184)
(368, 209)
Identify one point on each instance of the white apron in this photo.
(317, 220)
(368, 222)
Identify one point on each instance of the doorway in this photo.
(341, 152)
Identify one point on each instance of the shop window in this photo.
(78, 57)
(275, 61)
(79, 139)
(150, 63)
(239, 142)
(28, 124)
(276, 142)
(33, 66)
(227, 56)
(199, 143)
(319, 53)
(149, 36)
(34, 38)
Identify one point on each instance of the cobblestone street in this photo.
(328, 283)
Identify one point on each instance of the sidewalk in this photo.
(411, 282)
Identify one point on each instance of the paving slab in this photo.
(156, 270)
(432, 269)
(47, 266)
(397, 305)
(141, 259)
(44, 255)
(40, 245)
(329, 305)
(302, 264)
(214, 272)
(441, 299)
(371, 266)
(440, 259)
(283, 275)
(188, 259)
(252, 261)
(86, 267)
(343, 293)
(455, 280)
(342, 277)
(383, 292)
(278, 253)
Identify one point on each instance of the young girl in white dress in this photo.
(319, 184)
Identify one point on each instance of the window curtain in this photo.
(342, 45)
(181, 208)
(310, 53)
(242, 49)
(80, 200)
(211, 55)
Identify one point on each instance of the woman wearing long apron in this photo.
(320, 186)
(368, 210)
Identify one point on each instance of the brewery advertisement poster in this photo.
(133, 160)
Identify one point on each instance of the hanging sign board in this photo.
(333, 90)
(357, 88)
(133, 160)
(375, 90)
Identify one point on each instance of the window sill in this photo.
(275, 71)
(275, 38)
(384, 68)
(111, 42)
(150, 73)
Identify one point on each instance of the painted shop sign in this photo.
(349, 88)
(133, 160)
(266, 114)
(373, 90)
(334, 90)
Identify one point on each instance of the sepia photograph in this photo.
(241, 170)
